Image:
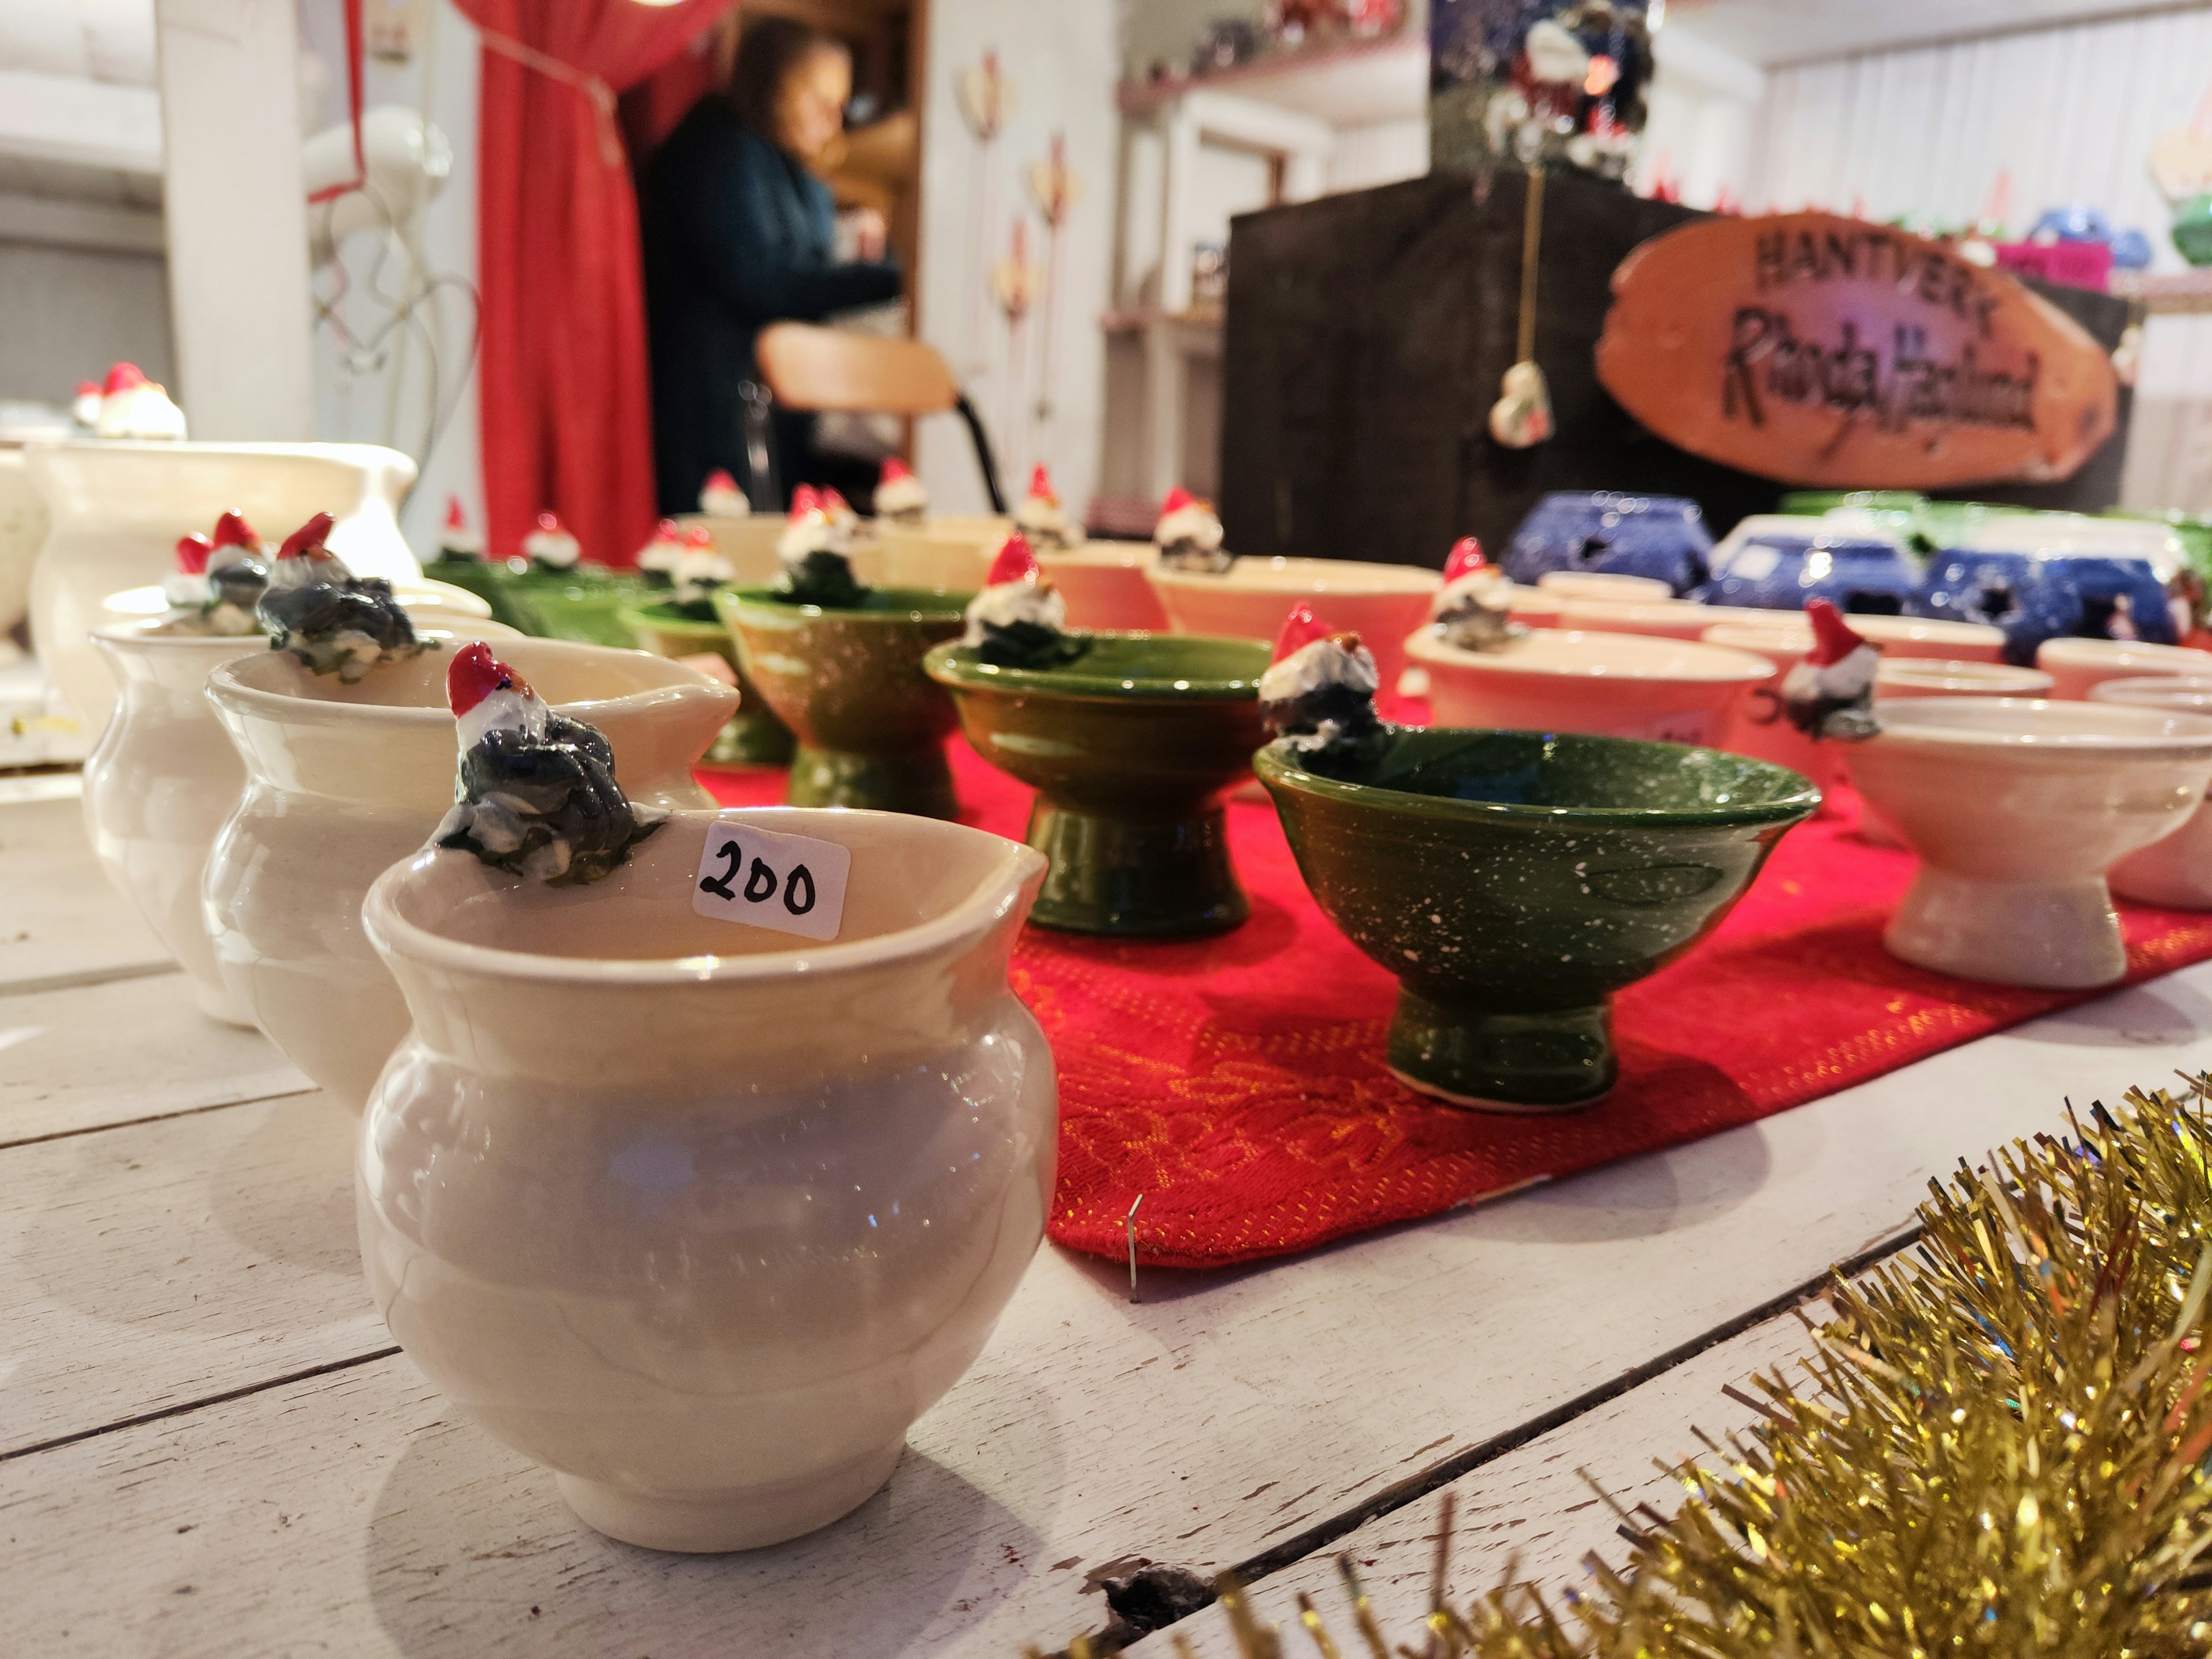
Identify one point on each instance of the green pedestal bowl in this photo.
(848, 683)
(754, 736)
(1129, 748)
(1512, 881)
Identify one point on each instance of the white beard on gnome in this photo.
(1829, 691)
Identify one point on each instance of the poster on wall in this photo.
(1821, 350)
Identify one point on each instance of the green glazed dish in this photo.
(1512, 881)
(848, 683)
(583, 604)
(1129, 748)
(754, 736)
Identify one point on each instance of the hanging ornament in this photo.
(985, 96)
(1056, 189)
(1014, 284)
(1522, 416)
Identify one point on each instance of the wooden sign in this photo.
(1817, 349)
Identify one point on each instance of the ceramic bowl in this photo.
(1668, 619)
(754, 736)
(2016, 808)
(1108, 586)
(1919, 636)
(1380, 603)
(948, 552)
(1756, 725)
(1925, 677)
(1778, 562)
(2175, 873)
(749, 544)
(702, 1217)
(1621, 685)
(1129, 748)
(1537, 607)
(118, 508)
(1660, 537)
(430, 605)
(1595, 585)
(345, 780)
(1512, 881)
(22, 531)
(870, 724)
(2077, 666)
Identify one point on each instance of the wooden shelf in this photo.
(2171, 293)
(1351, 83)
(1143, 316)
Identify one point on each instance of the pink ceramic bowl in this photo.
(1916, 636)
(1620, 686)
(1925, 677)
(1672, 619)
(1756, 725)
(2176, 873)
(1598, 585)
(1382, 603)
(2078, 667)
(1108, 587)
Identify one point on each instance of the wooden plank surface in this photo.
(1221, 1417)
(61, 924)
(94, 1056)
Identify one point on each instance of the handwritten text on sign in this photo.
(791, 883)
(1819, 349)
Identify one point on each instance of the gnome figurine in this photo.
(1019, 621)
(1829, 691)
(1318, 694)
(1473, 609)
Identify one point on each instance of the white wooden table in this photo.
(209, 1445)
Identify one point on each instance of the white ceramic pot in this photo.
(118, 509)
(345, 780)
(2175, 873)
(703, 1217)
(23, 532)
(1598, 585)
(1756, 725)
(1380, 603)
(1108, 587)
(1925, 677)
(2017, 809)
(164, 779)
(2079, 666)
(1617, 685)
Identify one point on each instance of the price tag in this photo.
(790, 884)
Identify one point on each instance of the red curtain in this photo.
(567, 421)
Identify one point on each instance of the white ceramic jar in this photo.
(700, 1216)
(118, 508)
(345, 780)
(164, 779)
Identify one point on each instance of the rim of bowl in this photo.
(2178, 692)
(2034, 682)
(140, 630)
(1101, 553)
(1568, 584)
(942, 664)
(984, 906)
(1308, 576)
(1878, 628)
(1270, 762)
(1933, 717)
(1727, 663)
(223, 684)
(643, 616)
(147, 600)
(2105, 653)
(953, 609)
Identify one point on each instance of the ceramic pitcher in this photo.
(118, 508)
(699, 1215)
(345, 780)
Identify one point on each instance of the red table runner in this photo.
(1237, 1082)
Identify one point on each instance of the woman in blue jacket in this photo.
(738, 233)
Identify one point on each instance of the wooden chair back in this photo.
(817, 368)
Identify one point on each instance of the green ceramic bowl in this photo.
(490, 580)
(848, 683)
(1512, 881)
(754, 736)
(1129, 748)
(587, 607)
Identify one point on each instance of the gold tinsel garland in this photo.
(2000, 1448)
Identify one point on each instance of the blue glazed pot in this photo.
(2035, 597)
(1661, 537)
(1774, 561)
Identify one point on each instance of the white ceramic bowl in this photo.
(947, 552)
(429, 604)
(345, 780)
(1620, 686)
(703, 1217)
(1756, 725)
(2016, 808)
(1108, 586)
(1382, 603)
(118, 509)
(1925, 677)
(749, 544)
(1916, 636)
(1597, 585)
(23, 532)
(2176, 873)
(2078, 667)
(1668, 619)
(1534, 608)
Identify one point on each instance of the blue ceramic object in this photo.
(1777, 563)
(2073, 223)
(2037, 597)
(1661, 537)
(2131, 251)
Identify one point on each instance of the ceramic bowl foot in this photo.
(713, 1523)
(752, 739)
(919, 783)
(2055, 937)
(2175, 873)
(1132, 878)
(1551, 1062)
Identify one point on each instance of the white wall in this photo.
(355, 392)
(1063, 57)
